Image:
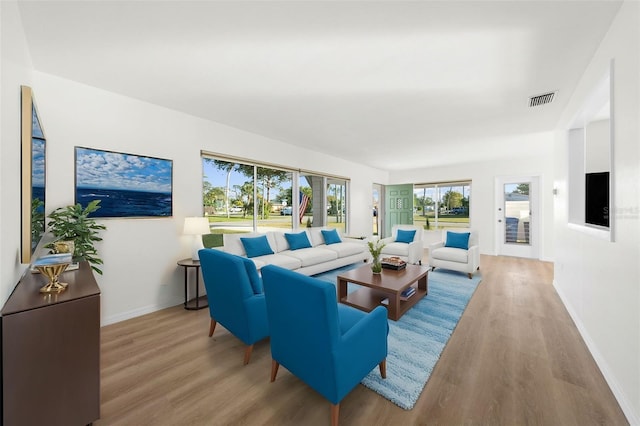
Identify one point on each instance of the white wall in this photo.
(599, 280)
(16, 70)
(140, 272)
(483, 203)
(597, 145)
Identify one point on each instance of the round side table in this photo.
(199, 302)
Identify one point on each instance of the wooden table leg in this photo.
(186, 294)
(342, 289)
(394, 306)
(423, 283)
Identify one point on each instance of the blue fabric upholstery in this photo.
(234, 291)
(297, 241)
(405, 236)
(329, 346)
(256, 246)
(457, 240)
(331, 236)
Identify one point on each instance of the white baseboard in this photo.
(138, 312)
(632, 417)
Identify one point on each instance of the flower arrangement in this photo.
(375, 248)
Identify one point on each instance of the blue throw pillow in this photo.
(297, 241)
(405, 236)
(330, 236)
(457, 240)
(256, 246)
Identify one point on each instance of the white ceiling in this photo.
(354, 79)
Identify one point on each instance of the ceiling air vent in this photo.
(545, 98)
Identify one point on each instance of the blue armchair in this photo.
(236, 298)
(329, 346)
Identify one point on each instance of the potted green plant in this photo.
(72, 223)
(375, 248)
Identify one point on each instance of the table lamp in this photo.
(196, 226)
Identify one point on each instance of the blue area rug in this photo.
(419, 337)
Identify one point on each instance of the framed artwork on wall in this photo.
(127, 185)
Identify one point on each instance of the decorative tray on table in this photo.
(393, 263)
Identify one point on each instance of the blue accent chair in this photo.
(236, 297)
(329, 346)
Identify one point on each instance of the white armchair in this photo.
(455, 258)
(410, 252)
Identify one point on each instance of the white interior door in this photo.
(517, 216)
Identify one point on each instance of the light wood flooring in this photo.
(515, 358)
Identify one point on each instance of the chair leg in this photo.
(212, 326)
(383, 368)
(335, 412)
(247, 354)
(470, 275)
(274, 369)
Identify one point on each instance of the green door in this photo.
(398, 206)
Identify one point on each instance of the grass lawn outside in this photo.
(237, 224)
(444, 221)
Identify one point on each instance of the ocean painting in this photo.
(127, 185)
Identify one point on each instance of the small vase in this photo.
(376, 266)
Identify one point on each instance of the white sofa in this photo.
(456, 259)
(318, 258)
(409, 252)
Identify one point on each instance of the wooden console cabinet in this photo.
(51, 352)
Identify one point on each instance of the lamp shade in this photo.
(196, 226)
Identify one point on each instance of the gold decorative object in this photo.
(64, 247)
(53, 272)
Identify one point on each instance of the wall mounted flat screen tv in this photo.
(597, 199)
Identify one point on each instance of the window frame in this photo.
(437, 223)
(296, 174)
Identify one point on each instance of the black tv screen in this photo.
(597, 199)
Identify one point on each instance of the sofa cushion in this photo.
(298, 241)
(315, 235)
(233, 244)
(405, 236)
(281, 241)
(259, 263)
(330, 236)
(346, 249)
(450, 254)
(312, 256)
(457, 240)
(287, 262)
(256, 246)
(397, 249)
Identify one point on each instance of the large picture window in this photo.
(336, 203)
(442, 205)
(242, 196)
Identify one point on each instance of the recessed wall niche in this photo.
(591, 145)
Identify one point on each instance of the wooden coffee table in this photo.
(386, 285)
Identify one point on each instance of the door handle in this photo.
(499, 220)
